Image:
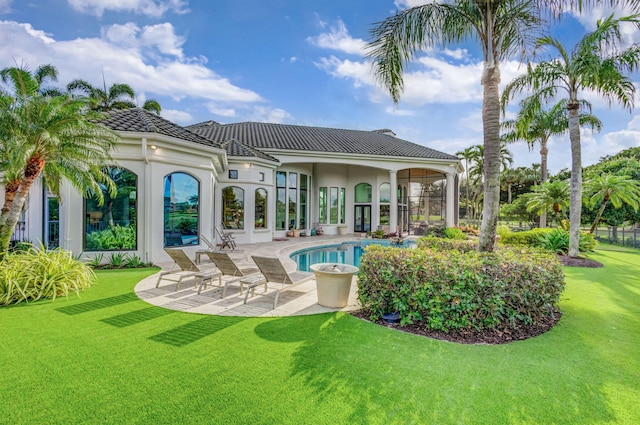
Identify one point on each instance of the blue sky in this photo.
(281, 61)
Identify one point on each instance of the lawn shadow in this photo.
(198, 329)
(292, 329)
(137, 316)
(98, 304)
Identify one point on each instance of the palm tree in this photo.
(118, 96)
(535, 124)
(504, 28)
(52, 136)
(467, 154)
(605, 188)
(554, 195)
(510, 177)
(594, 64)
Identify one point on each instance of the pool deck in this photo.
(300, 300)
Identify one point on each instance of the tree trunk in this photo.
(543, 175)
(12, 216)
(599, 215)
(9, 195)
(491, 126)
(575, 209)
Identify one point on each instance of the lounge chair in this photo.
(227, 239)
(273, 271)
(187, 268)
(245, 276)
(210, 248)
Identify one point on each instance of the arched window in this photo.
(181, 209)
(233, 207)
(363, 193)
(113, 225)
(261, 209)
(385, 207)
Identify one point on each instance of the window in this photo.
(233, 174)
(343, 201)
(233, 207)
(385, 199)
(181, 209)
(333, 205)
(113, 225)
(323, 205)
(363, 193)
(281, 200)
(303, 200)
(260, 221)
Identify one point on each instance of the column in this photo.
(450, 201)
(393, 206)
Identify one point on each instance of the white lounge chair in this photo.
(244, 276)
(187, 268)
(273, 271)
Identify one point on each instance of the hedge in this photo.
(448, 289)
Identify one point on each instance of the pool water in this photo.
(344, 253)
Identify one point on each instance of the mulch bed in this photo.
(578, 261)
(489, 336)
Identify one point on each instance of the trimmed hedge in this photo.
(541, 237)
(448, 289)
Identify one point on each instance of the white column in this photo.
(427, 207)
(393, 206)
(450, 202)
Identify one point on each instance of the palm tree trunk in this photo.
(543, 175)
(9, 194)
(466, 164)
(12, 216)
(508, 193)
(599, 215)
(575, 209)
(491, 125)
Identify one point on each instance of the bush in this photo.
(37, 273)
(114, 238)
(454, 233)
(441, 244)
(454, 290)
(556, 240)
(503, 230)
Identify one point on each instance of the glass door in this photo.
(362, 218)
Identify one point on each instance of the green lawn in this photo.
(108, 357)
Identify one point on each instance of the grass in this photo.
(108, 357)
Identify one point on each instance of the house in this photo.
(257, 180)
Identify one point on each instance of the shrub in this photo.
(502, 231)
(37, 273)
(557, 241)
(441, 244)
(528, 237)
(454, 233)
(113, 238)
(454, 290)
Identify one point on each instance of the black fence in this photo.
(629, 237)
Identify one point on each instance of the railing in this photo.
(53, 236)
(629, 237)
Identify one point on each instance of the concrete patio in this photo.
(300, 300)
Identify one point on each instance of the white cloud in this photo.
(178, 117)
(590, 16)
(338, 38)
(223, 112)
(152, 8)
(126, 54)
(270, 115)
(408, 4)
(457, 53)
(359, 72)
(392, 110)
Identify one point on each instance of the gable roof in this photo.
(238, 149)
(316, 139)
(143, 121)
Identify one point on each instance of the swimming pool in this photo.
(344, 253)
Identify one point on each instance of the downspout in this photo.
(147, 202)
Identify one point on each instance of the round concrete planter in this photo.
(334, 283)
(342, 229)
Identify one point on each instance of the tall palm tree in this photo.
(52, 136)
(594, 64)
(504, 29)
(118, 96)
(602, 189)
(510, 177)
(554, 195)
(535, 124)
(467, 154)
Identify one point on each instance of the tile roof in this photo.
(238, 149)
(316, 139)
(141, 120)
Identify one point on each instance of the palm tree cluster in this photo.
(505, 29)
(49, 133)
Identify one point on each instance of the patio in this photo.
(297, 301)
